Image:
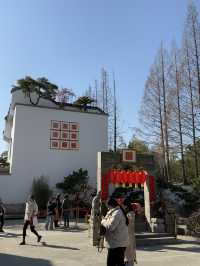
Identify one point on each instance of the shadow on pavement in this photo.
(10, 235)
(71, 229)
(44, 244)
(14, 260)
(176, 247)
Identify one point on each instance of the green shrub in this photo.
(41, 191)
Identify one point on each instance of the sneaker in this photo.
(39, 238)
(22, 243)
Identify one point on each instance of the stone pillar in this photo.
(170, 220)
(147, 201)
(95, 220)
(99, 171)
(105, 162)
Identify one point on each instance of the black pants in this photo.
(32, 227)
(1, 221)
(116, 256)
(66, 218)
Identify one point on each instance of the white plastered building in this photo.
(49, 140)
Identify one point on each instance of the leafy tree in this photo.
(41, 190)
(84, 101)
(4, 154)
(138, 145)
(41, 87)
(75, 182)
(3, 162)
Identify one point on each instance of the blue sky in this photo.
(69, 41)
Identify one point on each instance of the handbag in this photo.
(102, 230)
(35, 220)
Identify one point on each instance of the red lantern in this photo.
(128, 177)
(104, 188)
(133, 177)
(123, 177)
(137, 178)
(118, 176)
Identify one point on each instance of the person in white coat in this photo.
(130, 252)
(31, 212)
(115, 224)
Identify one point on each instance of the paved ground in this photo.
(72, 248)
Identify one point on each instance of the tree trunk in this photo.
(165, 117)
(162, 132)
(192, 112)
(115, 116)
(179, 120)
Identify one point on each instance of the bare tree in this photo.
(176, 114)
(190, 91)
(165, 116)
(192, 33)
(151, 115)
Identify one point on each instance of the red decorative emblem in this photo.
(61, 133)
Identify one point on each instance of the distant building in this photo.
(49, 140)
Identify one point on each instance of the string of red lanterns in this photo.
(123, 177)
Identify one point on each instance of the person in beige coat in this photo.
(130, 252)
(116, 233)
(31, 212)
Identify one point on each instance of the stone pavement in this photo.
(72, 248)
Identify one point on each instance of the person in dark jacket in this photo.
(2, 214)
(58, 214)
(51, 211)
(66, 210)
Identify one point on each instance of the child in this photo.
(51, 206)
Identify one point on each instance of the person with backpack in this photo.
(30, 218)
(115, 224)
(2, 214)
(66, 210)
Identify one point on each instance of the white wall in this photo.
(32, 156)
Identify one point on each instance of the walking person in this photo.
(51, 206)
(31, 212)
(2, 214)
(66, 210)
(115, 224)
(130, 252)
